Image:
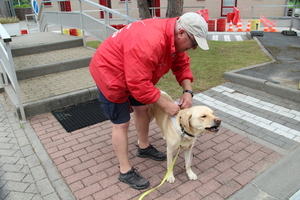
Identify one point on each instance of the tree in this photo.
(144, 11)
(174, 9)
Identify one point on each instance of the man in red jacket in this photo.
(126, 67)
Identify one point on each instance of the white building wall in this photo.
(213, 6)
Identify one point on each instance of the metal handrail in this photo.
(104, 29)
(68, 19)
(8, 67)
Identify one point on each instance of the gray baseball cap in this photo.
(196, 25)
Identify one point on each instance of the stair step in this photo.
(46, 93)
(39, 64)
(43, 42)
(52, 71)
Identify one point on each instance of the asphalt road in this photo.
(286, 69)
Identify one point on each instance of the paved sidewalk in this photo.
(259, 138)
(254, 156)
(22, 172)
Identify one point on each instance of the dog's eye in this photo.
(204, 116)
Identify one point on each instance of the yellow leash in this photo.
(165, 178)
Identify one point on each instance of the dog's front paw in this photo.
(192, 176)
(171, 179)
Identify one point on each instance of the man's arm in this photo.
(168, 106)
(186, 97)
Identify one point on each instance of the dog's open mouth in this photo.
(213, 129)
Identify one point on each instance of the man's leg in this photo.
(127, 174)
(119, 115)
(120, 145)
(141, 121)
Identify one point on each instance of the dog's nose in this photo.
(218, 121)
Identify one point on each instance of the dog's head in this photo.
(199, 119)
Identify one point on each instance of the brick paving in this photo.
(224, 162)
(21, 173)
(40, 160)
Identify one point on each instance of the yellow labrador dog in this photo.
(184, 127)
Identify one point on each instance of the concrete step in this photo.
(39, 64)
(53, 91)
(43, 42)
(52, 71)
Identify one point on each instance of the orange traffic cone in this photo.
(230, 29)
(237, 24)
(273, 28)
(266, 29)
(240, 26)
(248, 27)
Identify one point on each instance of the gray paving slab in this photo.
(56, 56)
(37, 39)
(26, 171)
(281, 181)
(241, 110)
(45, 41)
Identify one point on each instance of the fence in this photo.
(8, 68)
(85, 20)
(279, 13)
(98, 28)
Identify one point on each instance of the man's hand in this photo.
(185, 100)
(186, 97)
(172, 109)
(168, 107)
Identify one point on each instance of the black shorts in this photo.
(118, 113)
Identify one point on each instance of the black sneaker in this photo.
(133, 179)
(152, 153)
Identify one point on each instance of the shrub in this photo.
(25, 6)
(9, 20)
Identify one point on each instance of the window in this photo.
(47, 3)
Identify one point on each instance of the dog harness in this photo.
(183, 131)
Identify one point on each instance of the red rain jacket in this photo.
(133, 59)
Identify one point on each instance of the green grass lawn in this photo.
(209, 66)
(291, 3)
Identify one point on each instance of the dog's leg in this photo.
(188, 160)
(171, 177)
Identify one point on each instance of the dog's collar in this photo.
(183, 131)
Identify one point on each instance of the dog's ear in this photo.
(184, 120)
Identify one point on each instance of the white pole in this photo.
(15, 81)
(127, 9)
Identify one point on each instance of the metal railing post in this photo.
(15, 81)
(59, 17)
(81, 23)
(106, 22)
(127, 10)
(292, 17)
(9, 68)
(3, 67)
